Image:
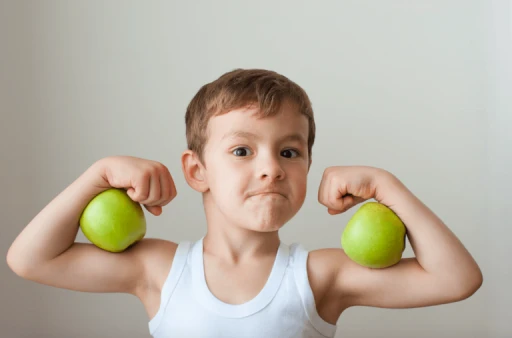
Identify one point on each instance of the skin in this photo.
(253, 180)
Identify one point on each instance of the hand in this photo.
(147, 182)
(343, 187)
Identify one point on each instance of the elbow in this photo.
(12, 263)
(17, 265)
(477, 281)
(469, 285)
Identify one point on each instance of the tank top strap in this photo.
(178, 263)
(299, 257)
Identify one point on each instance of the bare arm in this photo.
(46, 251)
(442, 270)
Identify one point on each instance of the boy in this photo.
(250, 135)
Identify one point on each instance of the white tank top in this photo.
(285, 307)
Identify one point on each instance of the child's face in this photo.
(256, 168)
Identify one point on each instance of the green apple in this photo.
(113, 221)
(374, 237)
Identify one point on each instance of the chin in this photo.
(265, 227)
(266, 224)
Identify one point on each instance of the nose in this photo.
(270, 168)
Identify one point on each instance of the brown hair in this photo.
(242, 88)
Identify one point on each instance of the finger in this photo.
(140, 189)
(323, 196)
(165, 190)
(335, 198)
(358, 200)
(154, 192)
(174, 191)
(321, 188)
(154, 189)
(131, 193)
(348, 201)
(155, 210)
(333, 212)
(169, 187)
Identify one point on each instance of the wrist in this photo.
(388, 187)
(96, 175)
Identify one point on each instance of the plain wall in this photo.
(419, 88)
(498, 265)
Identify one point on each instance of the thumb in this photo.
(131, 193)
(345, 203)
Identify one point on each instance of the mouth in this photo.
(267, 193)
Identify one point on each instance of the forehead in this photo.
(288, 120)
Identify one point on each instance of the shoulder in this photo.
(155, 256)
(154, 247)
(324, 267)
(321, 270)
(154, 251)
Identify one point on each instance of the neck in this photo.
(237, 245)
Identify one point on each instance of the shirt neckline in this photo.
(261, 300)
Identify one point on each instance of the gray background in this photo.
(420, 88)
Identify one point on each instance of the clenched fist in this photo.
(343, 187)
(147, 182)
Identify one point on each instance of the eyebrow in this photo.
(245, 134)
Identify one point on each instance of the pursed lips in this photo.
(267, 192)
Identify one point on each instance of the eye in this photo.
(289, 153)
(241, 151)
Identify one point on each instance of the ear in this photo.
(194, 171)
(309, 166)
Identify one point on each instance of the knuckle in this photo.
(145, 173)
(143, 194)
(152, 171)
(161, 167)
(334, 180)
(157, 167)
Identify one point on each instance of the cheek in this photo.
(301, 192)
(227, 181)
(299, 177)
